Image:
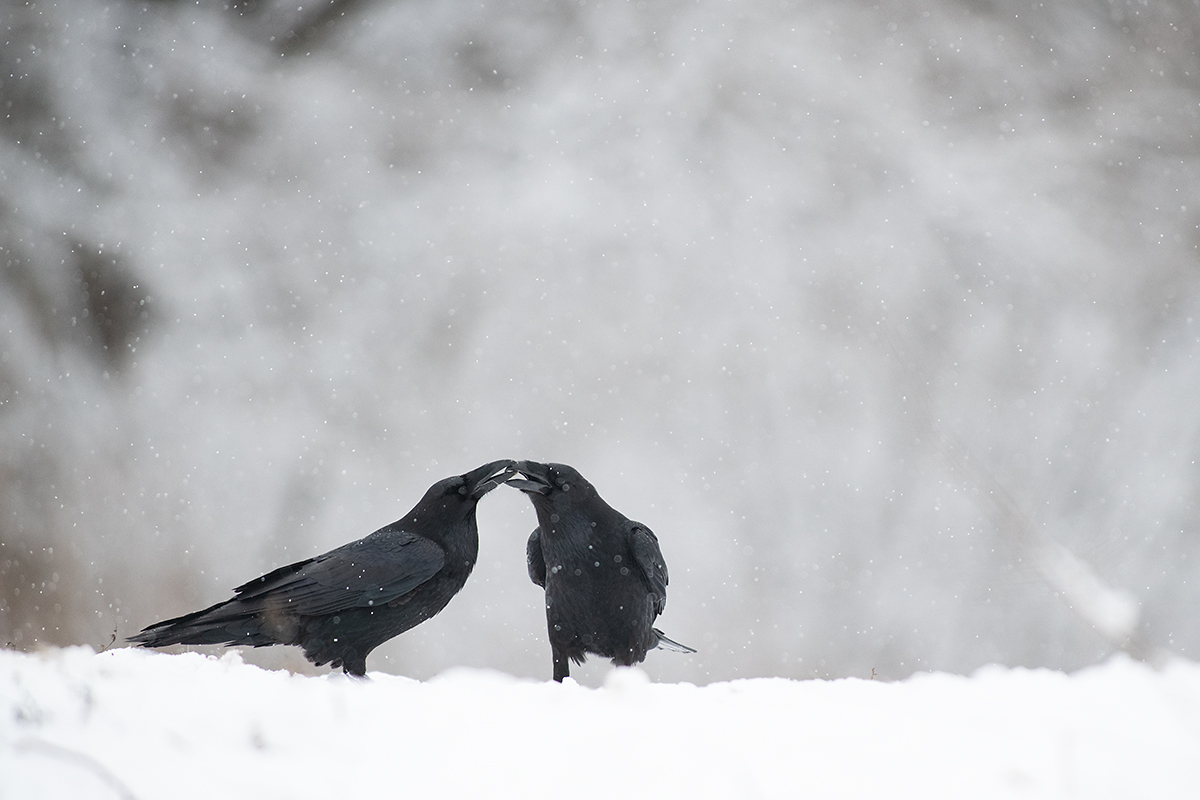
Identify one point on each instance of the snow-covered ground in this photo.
(128, 723)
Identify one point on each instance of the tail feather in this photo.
(670, 644)
(230, 622)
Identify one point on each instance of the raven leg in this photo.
(355, 665)
(562, 664)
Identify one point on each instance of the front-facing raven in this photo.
(342, 605)
(604, 575)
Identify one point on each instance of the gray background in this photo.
(882, 316)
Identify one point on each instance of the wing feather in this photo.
(535, 562)
(648, 556)
(372, 571)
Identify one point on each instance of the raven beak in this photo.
(538, 476)
(482, 480)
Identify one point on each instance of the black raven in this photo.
(604, 575)
(342, 605)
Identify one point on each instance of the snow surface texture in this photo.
(132, 724)
(804, 286)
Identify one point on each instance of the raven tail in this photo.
(219, 624)
(670, 644)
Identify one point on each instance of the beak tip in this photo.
(489, 476)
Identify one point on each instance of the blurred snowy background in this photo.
(863, 307)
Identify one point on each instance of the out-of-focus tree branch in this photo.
(312, 28)
(1115, 614)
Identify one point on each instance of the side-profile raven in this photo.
(342, 605)
(604, 575)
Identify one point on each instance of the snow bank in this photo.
(128, 723)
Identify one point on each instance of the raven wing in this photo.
(648, 556)
(535, 562)
(371, 571)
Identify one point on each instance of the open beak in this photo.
(482, 480)
(536, 480)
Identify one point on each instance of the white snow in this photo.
(130, 723)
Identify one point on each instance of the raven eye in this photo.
(462, 490)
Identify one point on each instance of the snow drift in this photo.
(128, 723)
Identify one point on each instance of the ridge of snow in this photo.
(130, 723)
